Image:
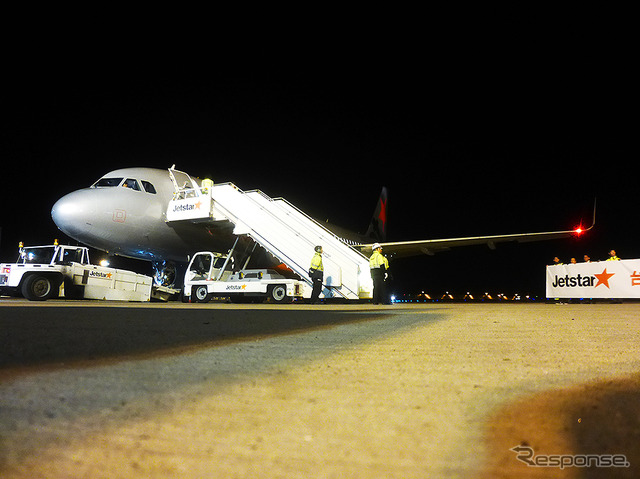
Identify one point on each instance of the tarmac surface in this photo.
(105, 390)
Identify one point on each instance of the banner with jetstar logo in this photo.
(603, 279)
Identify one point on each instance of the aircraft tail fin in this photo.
(378, 226)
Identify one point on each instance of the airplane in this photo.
(124, 213)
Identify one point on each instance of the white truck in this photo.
(207, 277)
(44, 272)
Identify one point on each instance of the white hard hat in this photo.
(376, 246)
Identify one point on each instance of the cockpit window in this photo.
(148, 187)
(107, 182)
(131, 183)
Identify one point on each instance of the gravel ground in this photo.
(170, 390)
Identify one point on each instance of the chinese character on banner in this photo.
(635, 279)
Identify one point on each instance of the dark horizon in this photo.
(458, 160)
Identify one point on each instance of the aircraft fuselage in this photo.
(124, 213)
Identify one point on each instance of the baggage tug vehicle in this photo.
(52, 271)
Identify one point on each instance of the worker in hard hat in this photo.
(316, 273)
(379, 266)
(207, 184)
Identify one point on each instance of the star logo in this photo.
(603, 278)
(198, 205)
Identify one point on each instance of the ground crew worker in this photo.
(316, 273)
(207, 184)
(612, 256)
(379, 266)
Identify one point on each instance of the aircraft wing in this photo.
(400, 249)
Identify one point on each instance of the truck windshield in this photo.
(39, 255)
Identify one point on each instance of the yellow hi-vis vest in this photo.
(377, 260)
(207, 183)
(316, 262)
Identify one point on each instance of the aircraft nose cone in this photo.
(72, 214)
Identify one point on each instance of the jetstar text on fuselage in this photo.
(573, 281)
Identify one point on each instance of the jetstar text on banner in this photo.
(604, 279)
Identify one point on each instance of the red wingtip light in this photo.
(578, 230)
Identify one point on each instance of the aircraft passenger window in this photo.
(148, 187)
(107, 182)
(131, 183)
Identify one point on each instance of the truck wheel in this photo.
(38, 288)
(201, 294)
(278, 294)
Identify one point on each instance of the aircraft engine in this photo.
(165, 274)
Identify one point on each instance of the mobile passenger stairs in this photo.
(276, 225)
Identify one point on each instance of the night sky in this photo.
(469, 142)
